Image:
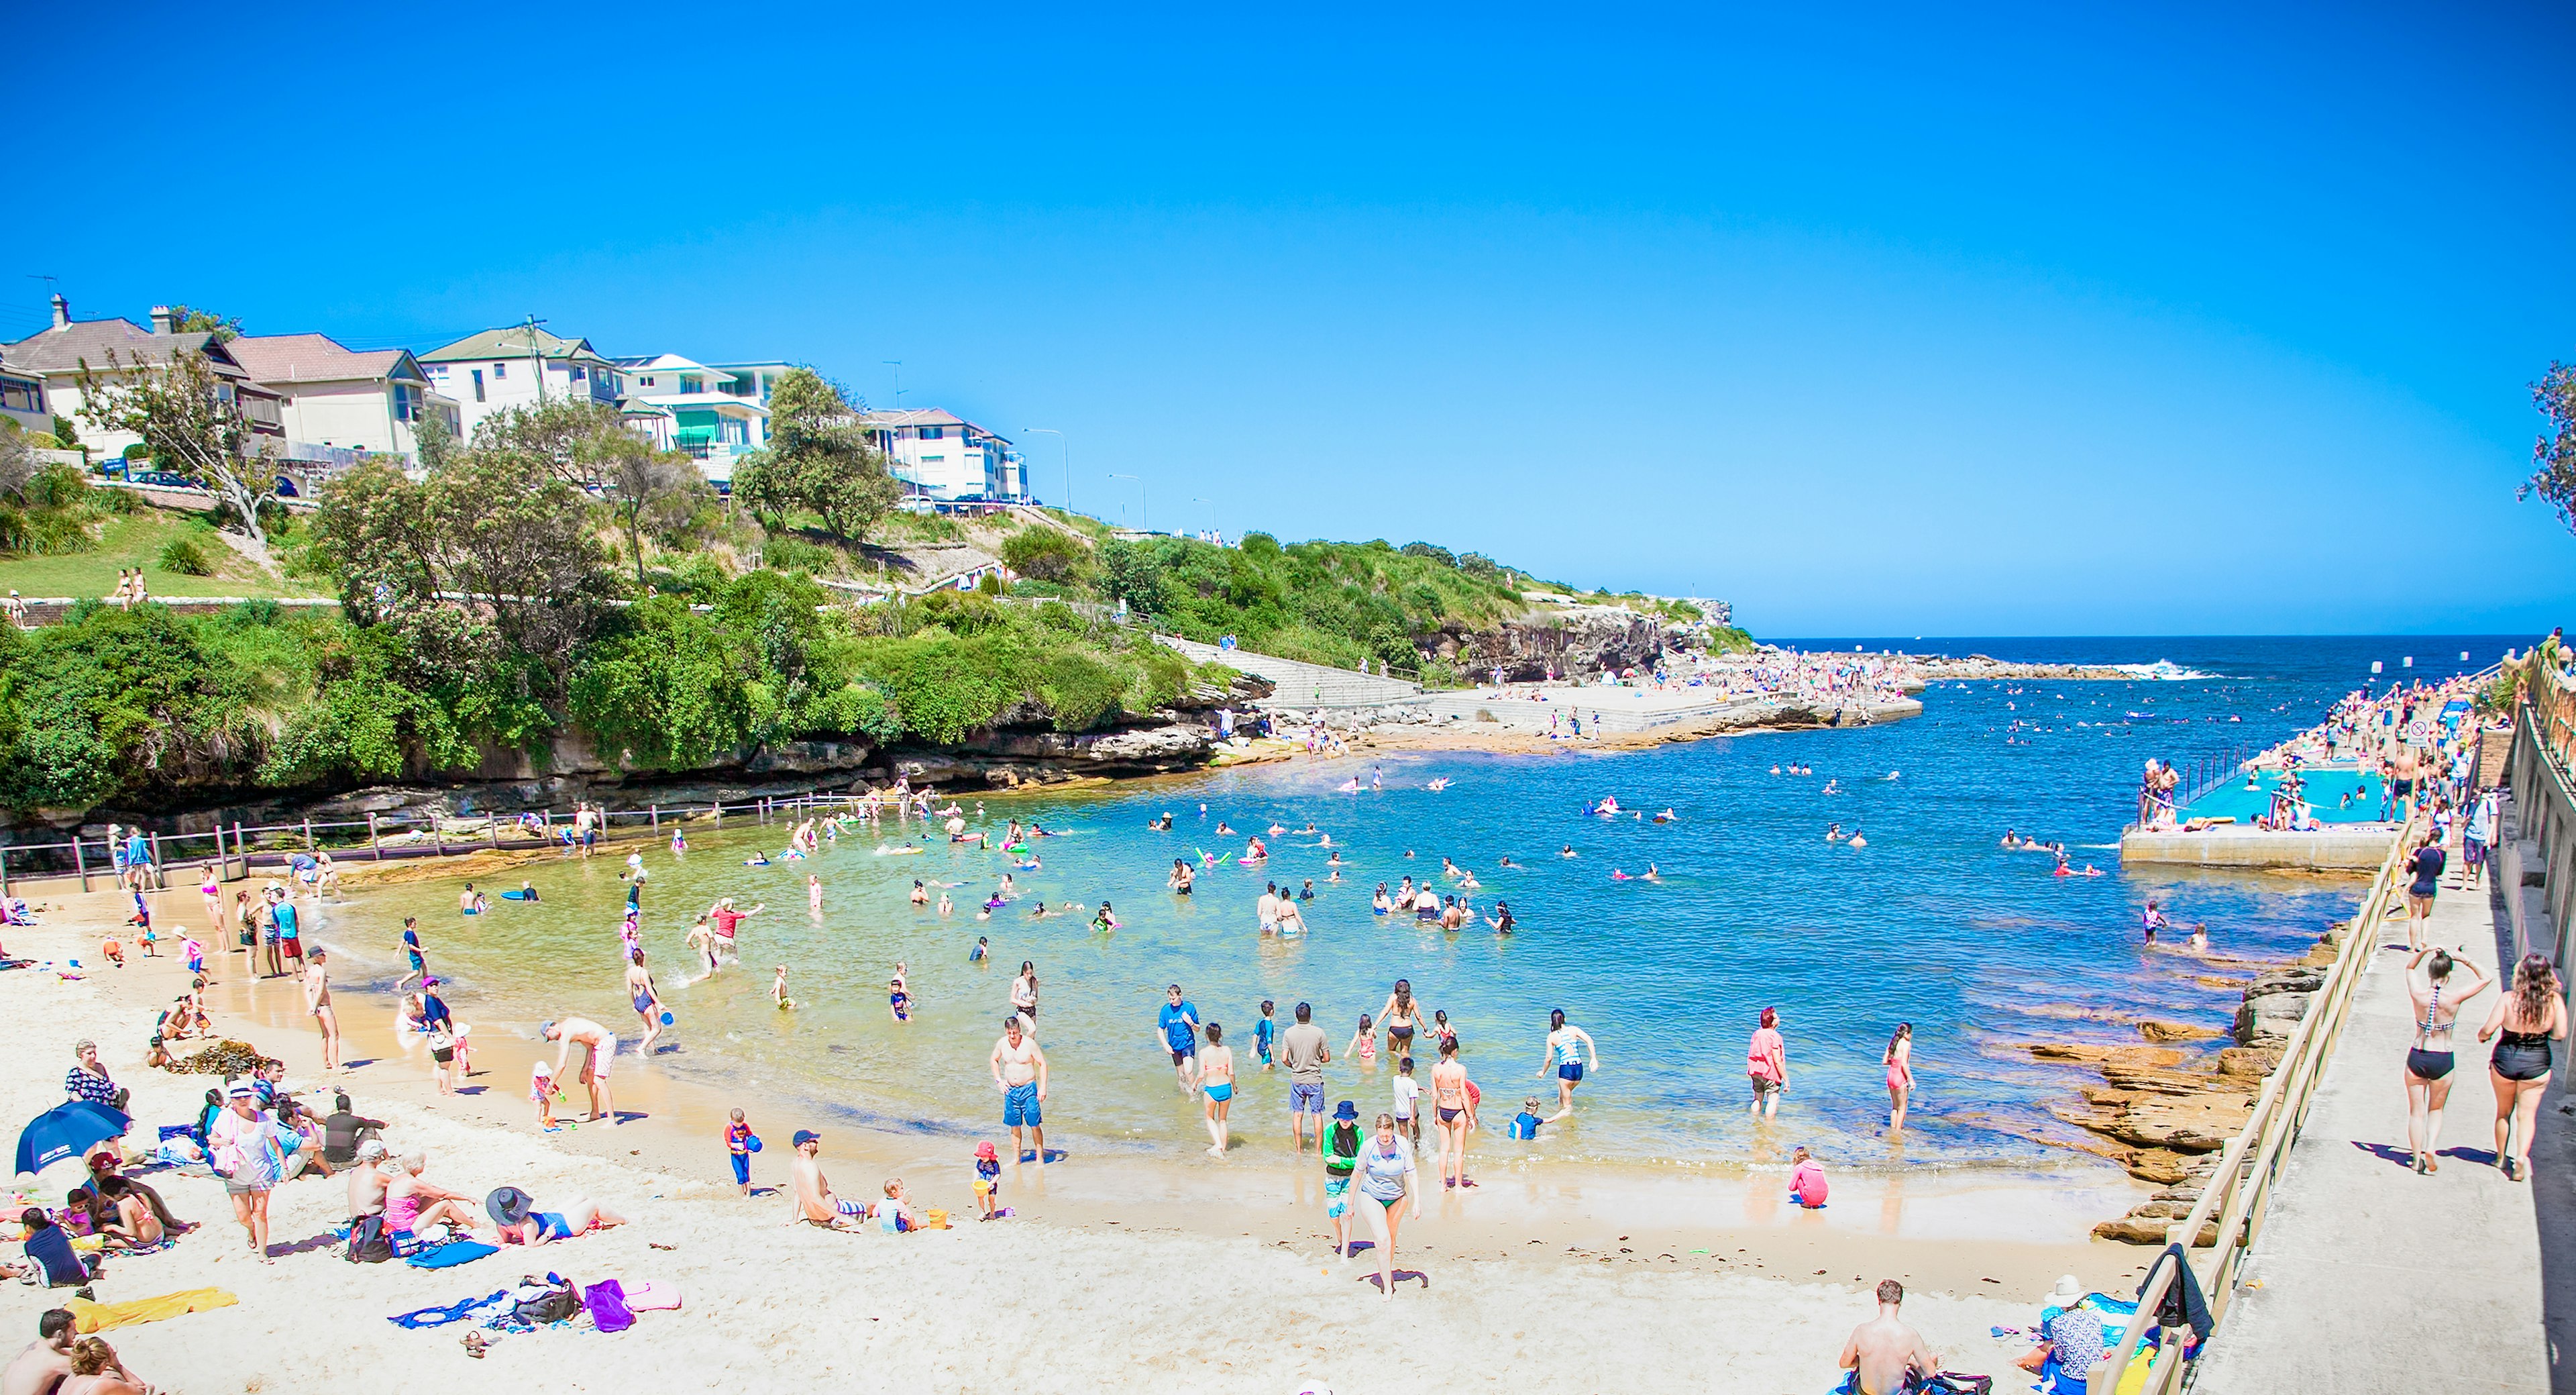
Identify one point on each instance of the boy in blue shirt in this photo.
(1525, 1124)
(1178, 1024)
(1262, 1032)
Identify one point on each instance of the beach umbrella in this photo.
(67, 1130)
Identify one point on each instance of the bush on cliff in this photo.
(1334, 603)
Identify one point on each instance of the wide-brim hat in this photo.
(1347, 1112)
(509, 1206)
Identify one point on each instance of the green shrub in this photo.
(785, 552)
(184, 556)
(1043, 554)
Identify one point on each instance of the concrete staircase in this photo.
(1300, 686)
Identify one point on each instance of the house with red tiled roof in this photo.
(60, 354)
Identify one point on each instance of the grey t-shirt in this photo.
(1302, 1050)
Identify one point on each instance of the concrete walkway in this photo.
(2370, 1278)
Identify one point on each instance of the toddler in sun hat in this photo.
(541, 1089)
(988, 1175)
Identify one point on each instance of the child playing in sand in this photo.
(541, 1089)
(739, 1143)
(195, 953)
(988, 1178)
(113, 952)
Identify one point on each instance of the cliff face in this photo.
(1578, 640)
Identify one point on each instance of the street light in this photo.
(1143, 503)
(1213, 536)
(1068, 460)
(897, 365)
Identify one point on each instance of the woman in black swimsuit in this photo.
(2523, 1024)
(2428, 1064)
(1400, 1017)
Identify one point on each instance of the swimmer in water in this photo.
(1833, 833)
(1105, 920)
(814, 892)
(1652, 874)
(758, 859)
(679, 841)
(920, 894)
(982, 951)
(778, 991)
(1223, 829)
(1857, 841)
(1667, 816)
(1568, 851)
(899, 996)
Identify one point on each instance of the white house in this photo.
(753, 380)
(517, 366)
(22, 399)
(55, 356)
(344, 399)
(681, 404)
(944, 457)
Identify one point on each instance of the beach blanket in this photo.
(453, 1253)
(474, 1310)
(99, 1317)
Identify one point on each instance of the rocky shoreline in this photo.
(1979, 668)
(2166, 1111)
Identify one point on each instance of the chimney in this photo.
(164, 320)
(62, 312)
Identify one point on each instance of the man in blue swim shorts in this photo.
(1304, 1051)
(1020, 1073)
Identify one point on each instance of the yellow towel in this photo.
(98, 1317)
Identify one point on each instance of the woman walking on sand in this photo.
(2428, 1063)
(1766, 1061)
(2526, 1020)
(1900, 1076)
(1387, 1180)
(1216, 1082)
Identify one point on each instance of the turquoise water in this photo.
(1932, 922)
(2325, 789)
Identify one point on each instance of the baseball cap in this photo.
(805, 1136)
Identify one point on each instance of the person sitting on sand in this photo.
(521, 1223)
(412, 1204)
(811, 1200)
(1884, 1356)
(42, 1367)
(1806, 1180)
(94, 1364)
(368, 1180)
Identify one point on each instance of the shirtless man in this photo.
(2402, 773)
(1886, 1352)
(811, 1200)
(317, 1005)
(46, 1361)
(599, 1048)
(1020, 1073)
(703, 940)
(646, 998)
(367, 1181)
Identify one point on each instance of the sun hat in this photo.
(372, 1149)
(984, 1150)
(546, 1028)
(1347, 1112)
(805, 1136)
(239, 1089)
(2068, 1293)
(509, 1206)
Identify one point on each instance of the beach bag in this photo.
(368, 1243)
(554, 1300)
(1953, 1383)
(607, 1303)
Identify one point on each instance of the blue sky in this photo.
(1897, 320)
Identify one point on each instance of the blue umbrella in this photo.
(67, 1130)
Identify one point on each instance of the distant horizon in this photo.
(2034, 321)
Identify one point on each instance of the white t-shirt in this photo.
(1407, 1090)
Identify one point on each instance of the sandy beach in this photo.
(1213, 1277)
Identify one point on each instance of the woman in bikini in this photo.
(1900, 1076)
(1216, 1080)
(1449, 1106)
(1401, 1018)
(1024, 995)
(2527, 1020)
(2429, 1062)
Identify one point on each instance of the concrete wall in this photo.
(2347, 848)
(2538, 857)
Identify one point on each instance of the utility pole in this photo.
(536, 359)
(897, 365)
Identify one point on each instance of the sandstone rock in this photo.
(2134, 1231)
(2247, 1060)
(2154, 1030)
(2146, 1056)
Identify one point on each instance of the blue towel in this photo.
(453, 1253)
(470, 1310)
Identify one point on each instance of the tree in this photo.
(17, 457)
(2553, 456)
(190, 418)
(225, 328)
(819, 460)
(587, 445)
(656, 492)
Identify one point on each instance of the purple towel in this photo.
(607, 1301)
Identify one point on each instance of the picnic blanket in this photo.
(99, 1317)
(453, 1253)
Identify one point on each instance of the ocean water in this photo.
(1979, 948)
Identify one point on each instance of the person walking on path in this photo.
(1387, 1180)
(2523, 1024)
(1566, 1049)
(1900, 1076)
(1303, 1049)
(317, 1004)
(1766, 1061)
(2477, 841)
(2427, 864)
(599, 1048)
(2429, 1061)
(1020, 1073)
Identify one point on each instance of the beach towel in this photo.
(469, 1310)
(607, 1303)
(653, 1296)
(99, 1317)
(452, 1254)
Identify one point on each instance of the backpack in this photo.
(553, 1300)
(368, 1243)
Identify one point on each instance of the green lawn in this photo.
(136, 539)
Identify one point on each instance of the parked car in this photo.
(165, 479)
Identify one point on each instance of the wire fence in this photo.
(150, 857)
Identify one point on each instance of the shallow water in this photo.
(1979, 948)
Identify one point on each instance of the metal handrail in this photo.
(2239, 1193)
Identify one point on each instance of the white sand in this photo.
(1042, 1304)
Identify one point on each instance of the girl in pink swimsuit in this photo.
(1900, 1074)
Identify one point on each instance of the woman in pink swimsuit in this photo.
(1900, 1075)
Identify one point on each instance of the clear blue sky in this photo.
(1898, 321)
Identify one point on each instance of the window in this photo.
(406, 402)
(646, 380)
(931, 433)
(478, 384)
(692, 383)
(500, 371)
(576, 372)
(20, 395)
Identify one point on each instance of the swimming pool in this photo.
(2326, 788)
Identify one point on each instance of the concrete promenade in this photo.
(2369, 1278)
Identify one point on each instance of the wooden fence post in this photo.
(719, 813)
(492, 825)
(4, 869)
(657, 818)
(375, 841)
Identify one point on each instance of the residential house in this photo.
(22, 399)
(341, 402)
(519, 366)
(681, 404)
(55, 355)
(753, 380)
(944, 458)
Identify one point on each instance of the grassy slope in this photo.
(132, 540)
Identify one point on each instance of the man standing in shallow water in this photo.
(1020, 1072)
(1303, 1049)
(599, 1047)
